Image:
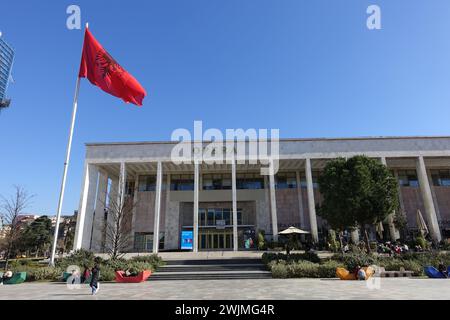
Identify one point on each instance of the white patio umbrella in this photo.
(421, 224)
(293, 230)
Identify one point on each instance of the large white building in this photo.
(202, 206)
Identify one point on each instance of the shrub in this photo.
(328, 269)
(279, 270)
(303, 269)
(79, 258)
(420, 241)
(334, 245)
(308, 256)
(116, 264)
(261, 242)
(139, 266)
(352, 260)
(444, 245)
(395, 264)
(47, 273)
(152, 259)
(107, 274)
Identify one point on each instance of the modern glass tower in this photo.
(6, 62)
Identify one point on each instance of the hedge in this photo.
(303, 269)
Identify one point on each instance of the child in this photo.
(95, 274)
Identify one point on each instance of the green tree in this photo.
(356, 193)
(37, 236)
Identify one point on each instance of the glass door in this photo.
(215, 239)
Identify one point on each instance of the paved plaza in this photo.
(394, 288)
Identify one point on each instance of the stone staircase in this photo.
(212, 269)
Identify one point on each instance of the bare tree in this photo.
(10, 209)
(118, 212)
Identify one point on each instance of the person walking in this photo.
(95, 274)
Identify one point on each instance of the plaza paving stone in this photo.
(296, 289)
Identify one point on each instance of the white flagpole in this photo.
(66, 166)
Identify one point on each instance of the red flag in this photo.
(103, 71)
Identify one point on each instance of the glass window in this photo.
(216, 181)
(207, 182)
(218, 215)
(239, 216)
(202, 218)
(227, 216)
(315, 178)
(249, 181)
(441, 178)
(210, 217)
(408, 178)
(286, 180)
(143, 241)
(147, 183)
(184, 182)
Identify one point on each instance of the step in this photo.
(240, 261)
(211, 276)
(210, 272)
(216, 268)
(210, 269)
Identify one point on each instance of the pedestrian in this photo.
(8, 275)
(346, 248)
(95, 274)
(443, 269)
(361, 275)
(85, 275)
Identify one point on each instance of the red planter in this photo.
(141, 277)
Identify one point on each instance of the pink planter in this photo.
(141, 277)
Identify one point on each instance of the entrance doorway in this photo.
(215, 239)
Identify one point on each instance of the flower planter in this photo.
(434, 273)
(344, 274)
(141, 277)
(17, 278)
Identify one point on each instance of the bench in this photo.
(402, 273)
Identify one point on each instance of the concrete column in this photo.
(87, 207)
(273, 205)
(196, 194)
(122, 182)
(430, 210)
(167, 232)
(98, 225)
(157, 208)
(300, 200)
(399, 189)
(311, 202)
(234, 199)
(113, 194)
(433, 194)
(390, 218)
(133, 217)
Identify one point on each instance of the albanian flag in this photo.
(103, 71)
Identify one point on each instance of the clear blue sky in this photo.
(310, 68)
